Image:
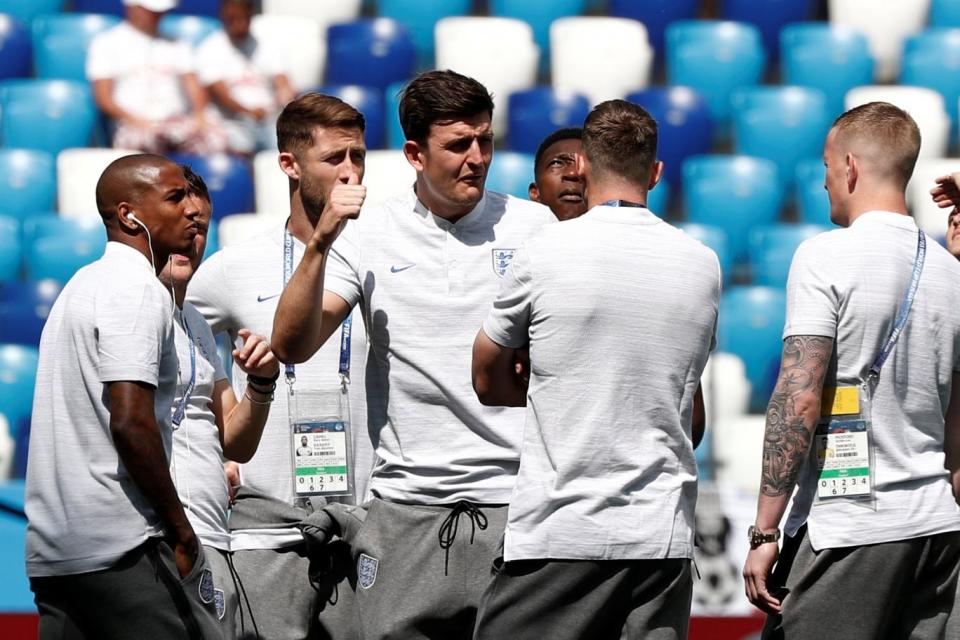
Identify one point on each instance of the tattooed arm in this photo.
(791, 419)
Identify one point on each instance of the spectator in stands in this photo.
(873, 538)
(605, 511)
(247, 80)
(147, 85)
(947, 194)
(556, 173)
(321, 147)
(110, 552)
(209, 423)
(421, 266)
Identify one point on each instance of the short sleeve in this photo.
(209, 293)
(812, 305)
(100, 59)
(209, 344)
(133, 324)
(211, 59)
(342, 275)
(182, 58)
(508, 323)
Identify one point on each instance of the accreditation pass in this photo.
(320, 457)
(843, 454)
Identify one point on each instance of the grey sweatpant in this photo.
(894, 590)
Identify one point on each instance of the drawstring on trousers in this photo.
(238, 587)
(448, 530)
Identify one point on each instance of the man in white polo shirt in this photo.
(599, 535)
(865, 416)
(110, 553)
(423, 267)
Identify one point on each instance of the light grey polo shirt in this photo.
(112, 322)
(424, 286)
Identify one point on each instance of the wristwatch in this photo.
(757, 537)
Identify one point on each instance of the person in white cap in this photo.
(147, 85)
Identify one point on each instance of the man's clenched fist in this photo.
(343, 204)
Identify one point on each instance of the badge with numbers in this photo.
(843, 456)
(320, 455)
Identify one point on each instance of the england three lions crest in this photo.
(366, 571)
(502, 259)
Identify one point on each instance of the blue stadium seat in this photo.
(209, 8)
(536, 113)
(24, 307)
(373, 53)
(734, 193)
(369, 102)
(11, 251)
(420, 16)
(229, 179)
(658, 199)
(49, 115)
(783, 124)
(510, 172)
(28, 182)
(61, 41)
(391, 98)
(59, 258)
(111, 7)
(715, 238)
(26, 10)
(213, 241)
(770, 16)
(538, 14)
(90, 230)
(684, 125)
(751, 327)
(18, 368)
(772, 248)
(932, 59)
(192, 29)
(656, 15)
(945, 13)
(714, 57)
(813, 204)
(15, 594)
(831, 58)
(14, 48)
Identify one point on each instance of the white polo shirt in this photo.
(424, 286)
(112, 322)
(239, 287)
(247, 70)
(620, 311)
(847, 284)
(197, 462)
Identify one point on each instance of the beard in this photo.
(314, 199)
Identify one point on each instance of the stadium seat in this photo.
(109, 7)
(302, 41)
(784, 124)
(14, 48)
(684, 125)
(509, 67)
(772, 248)
(28, 182)
(658, 199)
(751, 327)
(15, 594)
(929, 216)
(539, 14)
(373, 53)
(61, 41)
(388, 174)
(229, 179)
(813, 204)
(925, 105)
(716, 239)
(6, 450)
(738, 452)
(932, 59)
(886, 26)
(241, 226)
(391, 98)
(945, 14)
(369, 102)
(209, 8)
(43, 227)
(26, 10)
(725, 387)
(769, 16)
(420, 17)
(271, 187)
(583, 51)
(192, 29)
(714, 57)
(733, 193)
(49, 115)
(325, 12)
(11, 252)
(24, 307)
(656, 15)
(831, 58)
(213, 241)
(536, 113)
(510, 172)
(77, 173)
(58, 257)
(18, 368)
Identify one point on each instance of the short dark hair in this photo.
(439, 96)
(885, 124)
(195, 182)
(620, 138)
(299, 118)
(568, 133)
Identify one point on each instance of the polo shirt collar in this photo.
(119, 251)
(886, 217)
(622, 215)
(428, 216)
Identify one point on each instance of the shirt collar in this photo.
(622, 215)
(886, 217)
(118, 251)
(428, 216)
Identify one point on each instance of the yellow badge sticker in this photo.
(840, 401)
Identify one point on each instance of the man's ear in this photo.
(289, 165)
(656, 172)
(125, 223)
(853, 172)
(414, 154)
(533, 193)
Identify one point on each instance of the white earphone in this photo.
(132, 217)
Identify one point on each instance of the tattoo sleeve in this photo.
(793, 411)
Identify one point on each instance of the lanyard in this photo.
(622, 203)
(345, 329)
(905, 306)
(181, 409)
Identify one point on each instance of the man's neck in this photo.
(892, 202)
(301, 224)
(601, 193)
(449, 212)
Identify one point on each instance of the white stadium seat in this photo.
(6, 449)
(241, 226)
(303, 42)
(925, 105)
(270, 185)
(929, 216)
(325, 12)
(78, 171)
(886, 24)
(387, 173)
(738, 452)
(726, 389)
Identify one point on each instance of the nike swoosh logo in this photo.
(262, 298)
(396, 269)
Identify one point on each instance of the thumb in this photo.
(244, 333)
(354, 178)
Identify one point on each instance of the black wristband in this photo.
(263, 382)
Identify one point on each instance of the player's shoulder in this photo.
(518, 213)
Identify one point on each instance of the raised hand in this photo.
(343, 204)
(947, 192)
(255, 357)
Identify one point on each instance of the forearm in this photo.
(244, 422)
(103, 96)
(699, 420)
(221, 95)
(951, 437)
(298, 323)
(195, 93)
(496, 379)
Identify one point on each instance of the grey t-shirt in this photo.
(112, 322)
(620, 312)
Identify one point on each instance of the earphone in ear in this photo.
(130, 216)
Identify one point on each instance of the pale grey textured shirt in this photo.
(620, 311)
